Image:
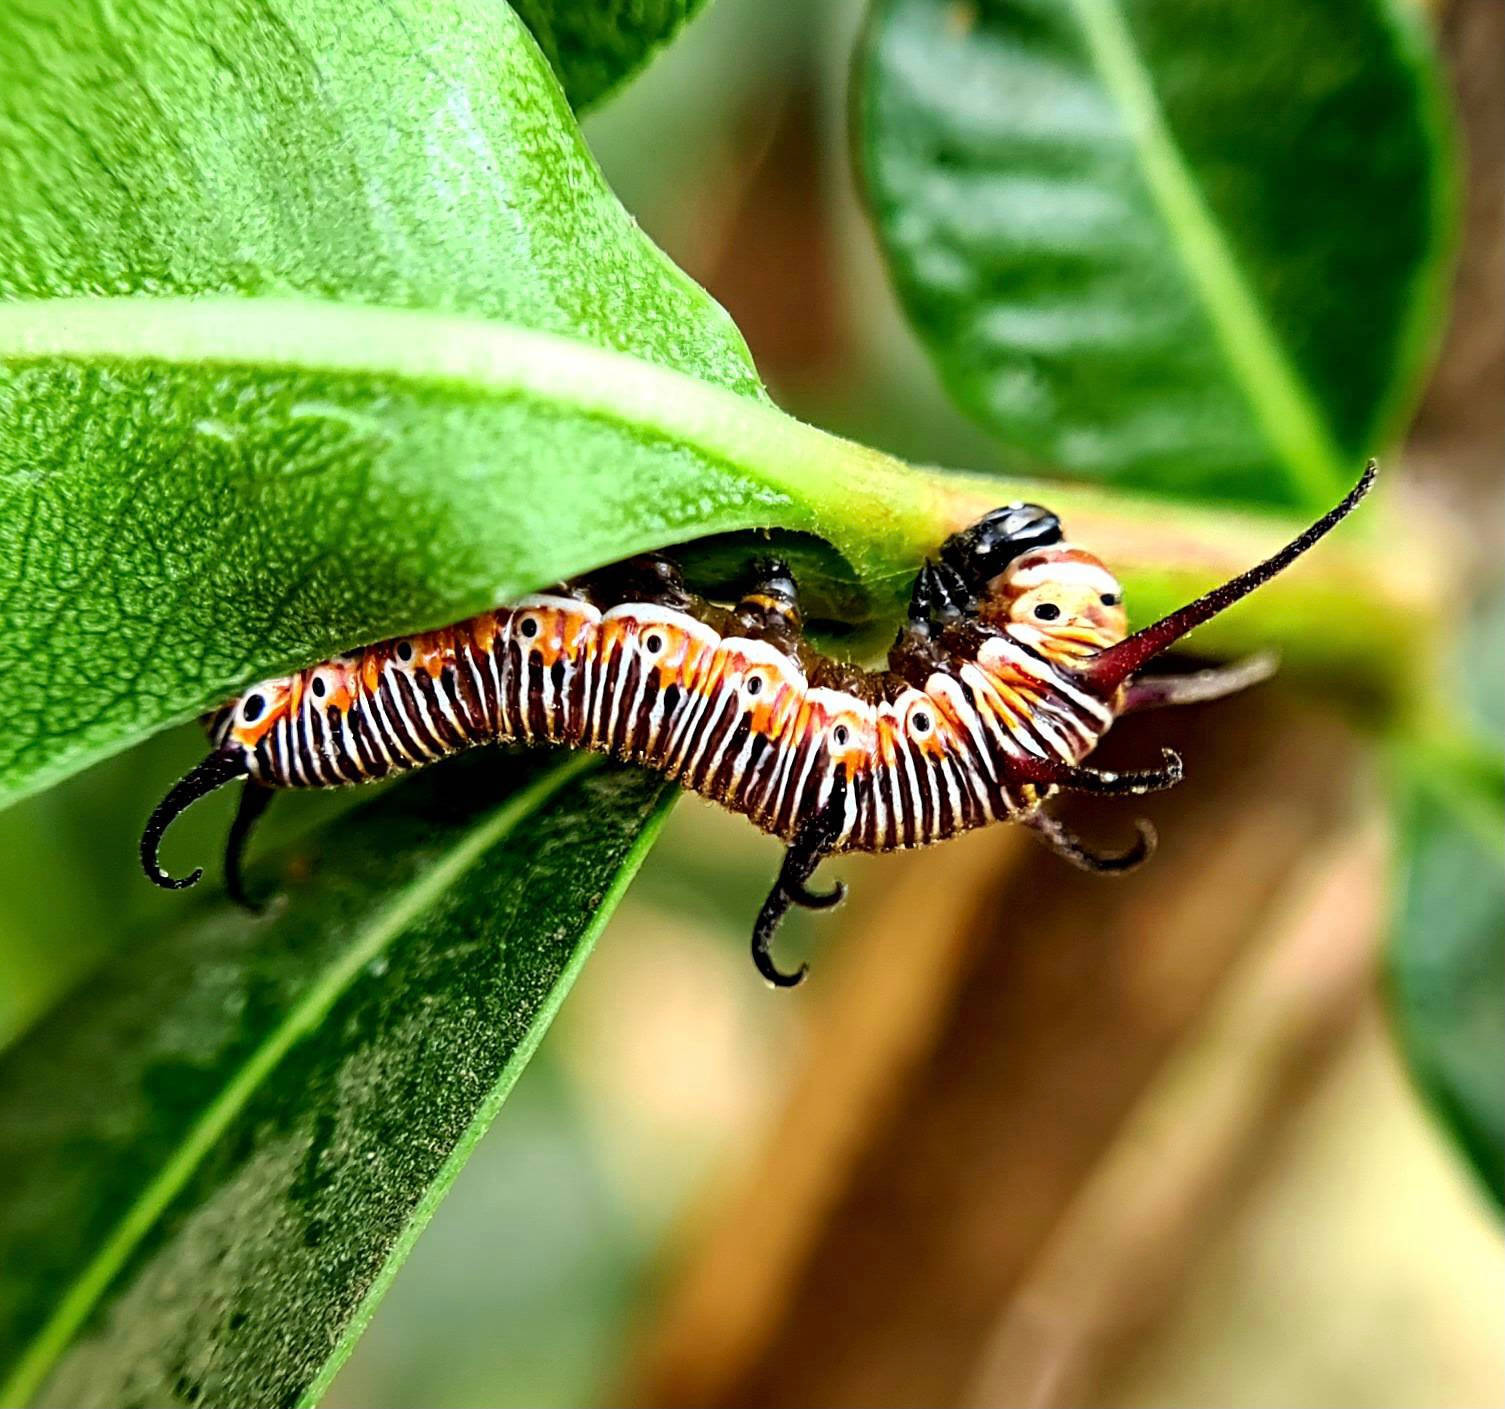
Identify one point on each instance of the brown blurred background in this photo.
(1027, 1137)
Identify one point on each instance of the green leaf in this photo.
(281, 1102)
(594, 45)
(417, 154)
(1447, 953)
(321, 323)
(1196, 246)
(1447, 948)
(261, 400)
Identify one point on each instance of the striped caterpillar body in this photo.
(1013, 663)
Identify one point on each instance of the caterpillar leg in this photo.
(769, 609)
(254, 800)
(1158, 691)
(1069, 847)
(810, 845)
(650, 577)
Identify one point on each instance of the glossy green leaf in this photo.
(319, 323)
(595, 44)
(281, 1102)
(1189, 245)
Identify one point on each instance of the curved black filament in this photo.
(213, 773)
(1070, 847)
(815, 837)
(1107, 670)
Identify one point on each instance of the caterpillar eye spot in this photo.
(653, 643)
(754, 685)
(528, 627)
(920, 721)
(254, 706)
(404, 651)
(841, 734)
(1047, 611)
(319, 688)
(1111, 599)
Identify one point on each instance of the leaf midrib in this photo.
(811, 466)
(1276, 393)
(304, 1017)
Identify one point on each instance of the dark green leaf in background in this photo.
(1197, 245)
(280, 1103)
(1447, 964)
(1447, 949)
(594, 46)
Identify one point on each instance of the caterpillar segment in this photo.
(1014, 661)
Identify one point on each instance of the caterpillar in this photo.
(1012, 663)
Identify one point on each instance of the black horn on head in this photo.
(1110, 668)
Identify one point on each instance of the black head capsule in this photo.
(979, 553)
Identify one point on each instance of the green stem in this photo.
(1347, 610)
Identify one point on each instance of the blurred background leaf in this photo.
(1447, 951)
(1197, 247)
(1447, 960)
(282, 1101)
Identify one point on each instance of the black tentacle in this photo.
(767, 924)
(808, 899)
(1159, 691)
(1111, 667)
(255, 798)
(811, 843)
(1069, 847)
(1101, 781)
(213, 773)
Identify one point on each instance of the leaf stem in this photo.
(1348, 611)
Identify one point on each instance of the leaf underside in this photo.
(594, 47)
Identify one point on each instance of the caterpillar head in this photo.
(1060, 600)
(1066, 604)
(1023, 578)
